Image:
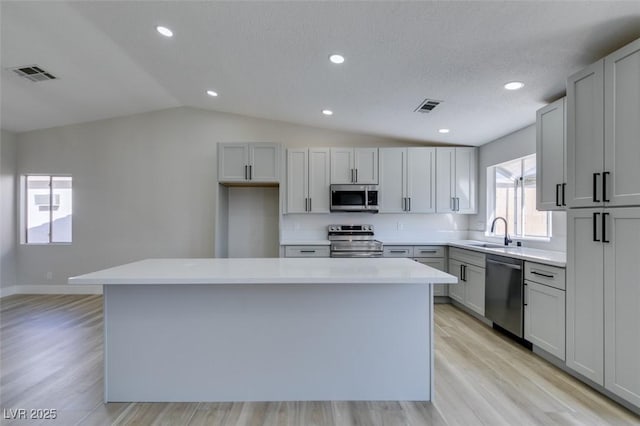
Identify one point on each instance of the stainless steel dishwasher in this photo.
(503, 298)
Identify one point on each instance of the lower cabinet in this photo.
(434, 256)
(468, 266)
(544, 307)
(544, 317)
(306, 251)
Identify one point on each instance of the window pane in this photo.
(505, 199)
(535, 222)
(61, 210)
(38, 207)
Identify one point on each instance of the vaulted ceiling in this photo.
(270, 59)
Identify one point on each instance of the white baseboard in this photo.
(50, 289)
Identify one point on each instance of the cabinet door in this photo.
(437, 263)
(366, 165)
(264, 162)
(550, 150)
(585, 315)
(456, 291)
(420, 181)
(622, 125)
(466, 180)
(233, 162)
(393, 163)
(585, 136)
(445, 179)
(621, 303)
(474, 288)
(297, 176)
(342, 170)
(319, 180)
(544, 317)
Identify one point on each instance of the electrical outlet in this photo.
(49, 275)
(400, 226)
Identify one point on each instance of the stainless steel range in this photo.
(353, 241)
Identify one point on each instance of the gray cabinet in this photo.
(603, 106)
(550, 157)
(469, 267)
(407, 180)
(308, 180)
(248, 162)
(456, 180)
(544, 307)
(434, 256)
(354, 165)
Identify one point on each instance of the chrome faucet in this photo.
(507, 240)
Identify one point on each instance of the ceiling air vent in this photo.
(427, 106)
(33, 73)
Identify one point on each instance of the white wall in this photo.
(145, 185)
(8, 234)
(253, 222)
(512, 146)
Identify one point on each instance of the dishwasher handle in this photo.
(508, 265)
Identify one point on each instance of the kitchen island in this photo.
(277, 329)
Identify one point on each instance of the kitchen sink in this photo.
(486, 245)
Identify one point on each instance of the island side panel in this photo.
(268, 342)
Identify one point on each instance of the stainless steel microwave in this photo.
(354, 198)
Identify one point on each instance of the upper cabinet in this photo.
(603, 124)
(308, 180)
(407, 180)
(249, 162)
(456, 184)
(550, 159)
(354, 165)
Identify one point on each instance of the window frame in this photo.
(24, 206)
(519, 218)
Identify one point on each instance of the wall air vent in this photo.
(33, 73)
(427, 106)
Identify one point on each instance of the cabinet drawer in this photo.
(428, 251)
(545, 274)
(467, 256)
(398, 251)
(306, 251)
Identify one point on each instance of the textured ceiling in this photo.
(269, 59)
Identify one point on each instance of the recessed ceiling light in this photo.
(443, 130)
(212, 93)
(164, 31)
(327, 112)
(514, 85)
(336, 59)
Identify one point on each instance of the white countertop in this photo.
(547, 257)
(305, 243)
(268, 271)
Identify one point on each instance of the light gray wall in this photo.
(144, 185)
(8, 234)
(515, 145)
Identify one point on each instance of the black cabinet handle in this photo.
(558, 195)
(309, 203)
(595, 185)
(604, 224)
(461, 275)
(595, 226)
(604, 187)
(428, 251)
(245, 172)
(524, 297)
(356, 175)
(564, 187)
(541, 274)
(250, 172)
(307, 251)
(397, 251)
(409, 198)
(464, 269)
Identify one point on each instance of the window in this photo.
(47, 209)
(514, 198)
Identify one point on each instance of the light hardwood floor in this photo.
(51, 357)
